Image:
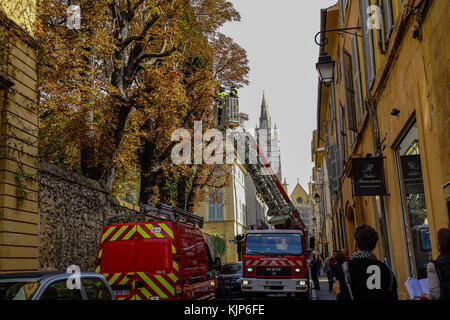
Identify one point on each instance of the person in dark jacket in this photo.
(438, 271)
(338, 275)
(365, 277)
(314, 265)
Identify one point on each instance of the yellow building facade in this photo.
(18, 138)
(389, 98)
(225, 213)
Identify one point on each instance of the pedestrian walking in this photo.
(327, 271)
(314, 266)
(338, 276)
(438, 271)
(365, 277)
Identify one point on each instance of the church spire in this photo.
(264, 119)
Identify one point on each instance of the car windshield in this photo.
(273, 244)
(231, 268)
(17, 290)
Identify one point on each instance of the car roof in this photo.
(40, 276)
(275, 231)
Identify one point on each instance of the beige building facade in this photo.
(388, 99)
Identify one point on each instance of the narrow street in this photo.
(323, 293)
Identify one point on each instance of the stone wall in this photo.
(73, 211)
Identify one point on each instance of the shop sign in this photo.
(368, 176)
(412, 174)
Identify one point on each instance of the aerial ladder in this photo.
(281, 210)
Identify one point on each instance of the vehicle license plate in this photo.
(276, 283)
(121, 292)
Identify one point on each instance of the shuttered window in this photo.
(357, 77)
(332, 110)
(341, 12)
(342, 151)
(349, 93)
(367, 45)
(388, 19)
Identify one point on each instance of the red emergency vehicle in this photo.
(163, 256)
(274, 263)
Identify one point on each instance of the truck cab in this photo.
(274, 263)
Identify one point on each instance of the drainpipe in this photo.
(378, 153)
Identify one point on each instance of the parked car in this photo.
(53, 286)
(229, 281)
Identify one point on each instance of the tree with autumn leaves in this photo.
(113, 91)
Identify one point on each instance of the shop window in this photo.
(415, 213)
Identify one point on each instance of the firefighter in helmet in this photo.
(219, 97)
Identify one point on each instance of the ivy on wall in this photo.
(220, 247)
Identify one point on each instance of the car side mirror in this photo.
(217, 263)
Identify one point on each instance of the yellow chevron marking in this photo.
(166, 229)
(125, 279)
(136, 297)
(97, 269)
(165, 284)
(142, 232)
(118, 233)
(173, 249)
(100, 253)
(175, 266)
(173, 277)
(145, 292)
(152, 285)
(157, 234)
(121, 298)
(107, 233)
(129, 234)
(114, 278)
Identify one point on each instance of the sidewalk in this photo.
(323, 293)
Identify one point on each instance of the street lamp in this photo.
(325, 68)
(325, 65)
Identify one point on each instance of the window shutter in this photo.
(388, 19)
(349, 95)
(340, 138)
(332, 110)
(367, 41)
(221, 212)
(341, 12)
(357, 77)
(332, 168)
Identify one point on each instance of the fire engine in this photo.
(274, 261)
(162, 255)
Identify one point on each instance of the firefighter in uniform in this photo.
(219, 97)
(234, 92)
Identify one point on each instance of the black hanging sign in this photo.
(412, 174)
(368, 176)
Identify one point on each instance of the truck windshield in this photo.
(273, 244)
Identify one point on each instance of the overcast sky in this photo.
(279, 39)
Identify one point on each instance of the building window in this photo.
(215, 205)
(414, 208)
(349, 93)
(299, 200)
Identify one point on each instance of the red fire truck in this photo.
(274, 263)
(161, 256)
